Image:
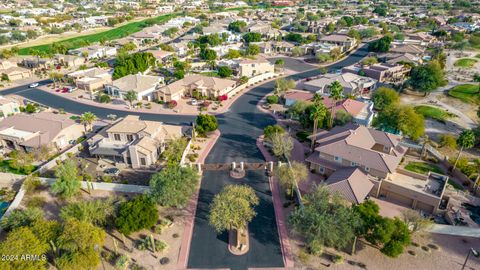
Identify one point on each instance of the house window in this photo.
(116, 137)
(337, 159)
(129, 137)
(386, 149)
(367, 169)
(143, 162)
(354, 164)
(322, 170)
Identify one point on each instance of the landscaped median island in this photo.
(116, 33)
(468, 93)
(434, 113)
(465, 62)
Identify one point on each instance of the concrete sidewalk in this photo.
(455, 230)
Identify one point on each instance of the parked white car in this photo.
(33, 85)
(194, 102)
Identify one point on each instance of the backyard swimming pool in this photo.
(3, 207)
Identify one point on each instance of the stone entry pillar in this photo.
(234, 165)
(270, 166)
(199, 167)
(241, 166)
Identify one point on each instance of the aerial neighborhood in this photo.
(276, 134)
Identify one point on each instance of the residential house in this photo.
(207, 86)
(143, 85)
(134, 142)
(69, 60)
(382, 72)
(94, 51)
(12, 71)
(353, 84)
(254, 67)
(345, 42)
(8, 107)
(31, 131)
(399, 58)
(265, 47)
(345, 151)
(91, 79)
(407, 48)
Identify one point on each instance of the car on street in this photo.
(33, 85)
(194, 102)
(112, 171)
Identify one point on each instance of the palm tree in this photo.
(131, 96)
(336, 94)
(466, 140)
(87, 119)
(477, 179)
(317, 112)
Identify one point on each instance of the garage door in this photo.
(397, 198)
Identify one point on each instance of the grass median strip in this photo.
(468, 93)
(433, 112)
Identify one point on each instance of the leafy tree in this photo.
(297, 51)
(322, 57)
(342, 117)
(131, 96)
(252, 37)
(68, 179)
(325, 220)
(354, 34)
(290, 176)
(97, 212)
(173, 152)
(233, 54)
(31, 183)
(22, 241)
(232, 208)
(208, 54)
(20, 218)
(282, 85)
(385, 97)
(448, 140)
(174, 185)
(179, 74)
(131, 64)
(252, 50)
(294, 37)
(335, 53)
(270, 130)
(318, 112)
(206, 123)
(104, 98)
(87, 119)
(22, 161)
(380, 45)
(427, 77)
(414, 221)
(77, 244)
(136, 214)
(402, 118)
(46, 230)
(279, 63)
(476, 78)
(237, 26)
(225, 71)
(368, 61)
(466, 140)
(282, 145)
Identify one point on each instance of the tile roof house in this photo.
(407, 48)
(8, 107)
(27, 132)
(345, 42)
(143, 85)
(95, 51)
(351, 155)
(205, 85)
(91, 79)
(254, 67)
(382, 72)
(134, 142)
(353, 84)
(12, 71)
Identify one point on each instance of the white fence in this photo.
(114, 187)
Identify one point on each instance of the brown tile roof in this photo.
(197, 80)
(351, 183)
(353, 107)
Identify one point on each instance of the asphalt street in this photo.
(240, 126)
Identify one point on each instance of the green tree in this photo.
(325, 220)
(318, 112)
(87, 119)
(233, 54)
(290, 176)
(282, 85)
(401, 118)
(68, 183)
(174, 185)
(131, 96)
(21, 218)
(173, 152)
(270, 130)
(208, 54)
(136, 214)
(476, 78)
(252, 37)
(427, 77)
(77, 244)
(206, 123)
(97, 212)
(354, 34)
(380, 45)
(342, 117)
(225, 71)
(232, 208)
(22, 241)
(237, 26)
(466, 140)
(385, 97)
(279, 64)
(252, 50)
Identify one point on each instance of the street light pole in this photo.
(474, 252)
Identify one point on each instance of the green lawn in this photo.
(468, 93)
(477, 56)
(210, 74)
(455, 185)
(422, 167)
(465, 62)
(116, 33)
(5, 167)
(433, 112)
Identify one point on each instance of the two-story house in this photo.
(134, 142)
(353, 84)
(343, 151)
(143, 85)
(254, 67)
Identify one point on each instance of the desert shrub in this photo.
(36, 201)
(31, 184)
(273, 99)
(337, 259)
